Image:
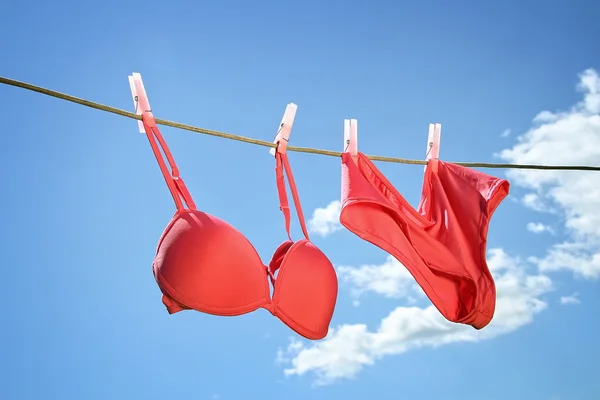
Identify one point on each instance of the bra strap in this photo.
(282, 164)
(174, 182)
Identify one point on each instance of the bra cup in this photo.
(203, 263)
(279, 255)
(306, 290)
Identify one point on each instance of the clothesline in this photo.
(164, 122)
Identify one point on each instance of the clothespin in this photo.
(285, 129)
(351, 138)
(140, 99)
(433, 142)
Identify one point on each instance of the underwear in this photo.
(442, 243)
(205, 264)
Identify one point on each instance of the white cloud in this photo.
(533, 201)
(325, 221)
(390, 279)
(572, 299)
(567, 137)
(349, 348)
(505, 133)
(538, 227)
(579, 257)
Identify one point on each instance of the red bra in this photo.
(442, 243)
(205, 264)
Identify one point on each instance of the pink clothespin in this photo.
(351, 138)
(140, 99)
(285, 129)
(433, 143)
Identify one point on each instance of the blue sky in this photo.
(84, 202)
